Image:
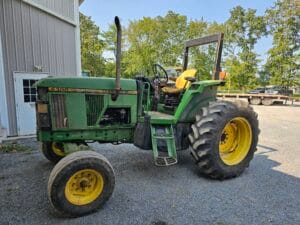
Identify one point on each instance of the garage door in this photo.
(25, 96)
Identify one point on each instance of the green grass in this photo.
(7, 148)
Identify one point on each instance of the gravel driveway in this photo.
(267, 193)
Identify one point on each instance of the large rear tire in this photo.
(81, 183)
(224, 139)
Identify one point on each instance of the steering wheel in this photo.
(160, 74)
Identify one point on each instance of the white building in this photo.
(38, 38)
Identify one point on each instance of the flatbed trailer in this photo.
(257, 99)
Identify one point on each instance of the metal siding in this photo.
(43, 35)
(9, 56)
(3, 99)
(60, 7)
(27, 39)
(52, 48)
(33, 37)
(72, 57)
(65, 51)
(69, 56)
(59, 50)
(19, 42)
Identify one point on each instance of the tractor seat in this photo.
(181, 82)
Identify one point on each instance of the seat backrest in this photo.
(181, 82)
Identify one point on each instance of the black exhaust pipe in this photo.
(118, 59)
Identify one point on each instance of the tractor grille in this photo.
(59, 111)
(94, 106)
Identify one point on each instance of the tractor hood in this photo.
(86, 83)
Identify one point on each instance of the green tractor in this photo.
(151, 113)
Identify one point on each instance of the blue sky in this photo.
(103, 12)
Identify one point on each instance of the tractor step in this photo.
(163, 136)
(167, 137)
(159, 118)
(165, 161)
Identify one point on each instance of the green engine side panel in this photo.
(76, 110)
(71, 110)
(126, 101)
(77, 114)
(78, 105)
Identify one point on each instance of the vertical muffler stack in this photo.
(118, 59)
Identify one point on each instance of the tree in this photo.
(172, 32)
(196, 28)
(143, 44)
(203, 58)
(283, 61)
(160, 40)
(243, 29)
(155, 40)
(110, 39)
(264, 77)
(91, 46)
(235, 68)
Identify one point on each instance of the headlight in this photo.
(42, 108)
(42, 118)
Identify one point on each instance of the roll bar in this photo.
(218, 38)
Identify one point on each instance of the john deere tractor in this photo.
(149, 112)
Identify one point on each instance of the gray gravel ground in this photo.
(267, 193)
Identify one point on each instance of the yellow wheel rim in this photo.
(84, 187)
(58, 151)
(235, 141)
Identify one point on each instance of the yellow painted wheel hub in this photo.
(235, 141)
(84, 187)
(58, 151)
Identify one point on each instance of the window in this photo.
(29, 92)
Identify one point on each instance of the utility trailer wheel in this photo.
(81, 183)
(53, 151)
(255, 101)
(224, 139)
(267, 101)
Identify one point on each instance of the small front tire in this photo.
(53, 151)
(81, 183)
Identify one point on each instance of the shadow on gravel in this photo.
(266, 149)
(147, 195)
